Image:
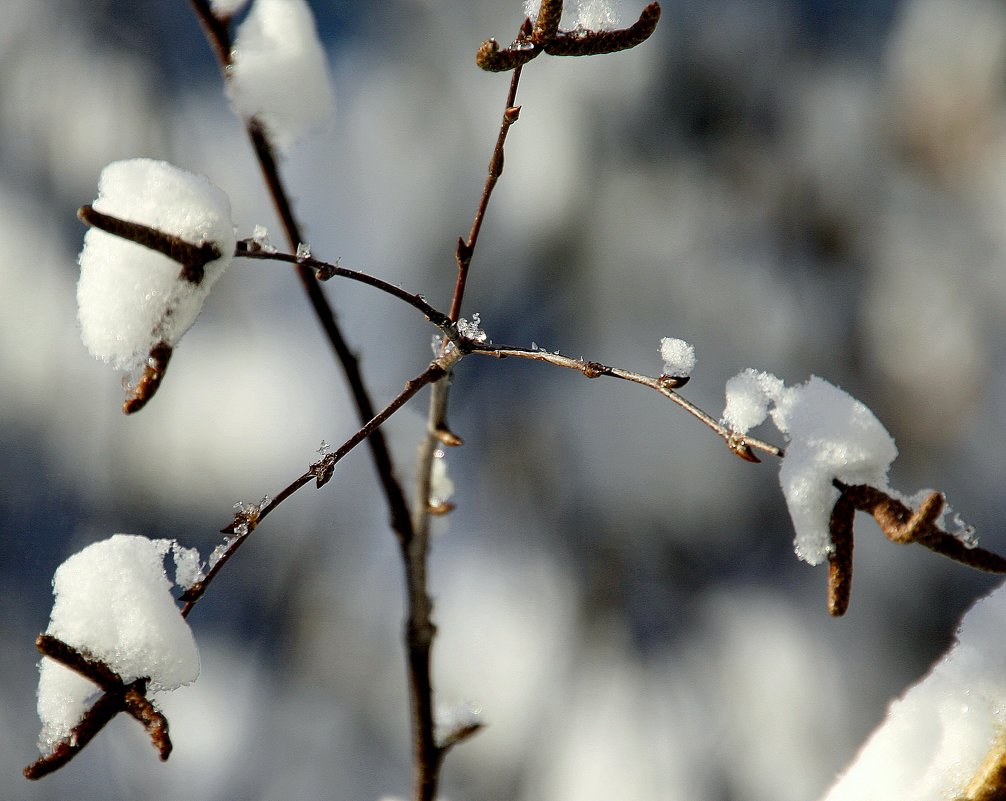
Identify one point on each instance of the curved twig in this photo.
(741, 446)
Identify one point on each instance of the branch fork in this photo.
(544, 36)
(117, 696)
(901, 525)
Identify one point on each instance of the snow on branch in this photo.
(160, 238)
(591, 36)
(278, 72)
(945, 738)
(115, 634)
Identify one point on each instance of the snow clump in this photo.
(113, 603)
(831, 435)
(678, 356)
(279, 73)
(936, 738)
(130, 297)
(596, 15)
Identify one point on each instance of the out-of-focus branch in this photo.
(218, 33)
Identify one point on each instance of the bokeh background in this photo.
(801, 186)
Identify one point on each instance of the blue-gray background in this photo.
(802, 187)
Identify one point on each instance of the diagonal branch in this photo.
(320, 472)
(117, 696)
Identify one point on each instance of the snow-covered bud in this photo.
(161, 238)
(113, 602)
(679, 361)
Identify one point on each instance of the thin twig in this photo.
(320, 472)
(117, 696)
(326, 270)
(739, 445)
(218, 34)
(428, 755)
(466, 249)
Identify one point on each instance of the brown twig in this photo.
(150, 379)
(545, 37)
(594, 43)
(192, 258)
(218, 34)
(320, 472)
(901, 525)
(326, 270)
(117, 696)
(466, 248)
(741, 446)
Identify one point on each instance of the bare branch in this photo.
(326, 270)
(739, 445)
(320, 472)
(218, 35)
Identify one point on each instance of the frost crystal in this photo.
(596, 15)
(217, 554)
(113, 602)
(831, 435)
(324, 448)
(131, 297)
(188, 569)
(303, 250)
(280, 73)
(472, 329)
(678, 356)
(260, 236)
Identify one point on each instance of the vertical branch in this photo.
(420, 630)
(218, 34)
(467, 248)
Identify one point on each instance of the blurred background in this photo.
(802, 186)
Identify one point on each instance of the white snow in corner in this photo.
(937, 736)
(831, 435)
(279, 71)
(678, 356)
(131, 297)
(113, 602)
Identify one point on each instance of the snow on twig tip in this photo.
(131, 296)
